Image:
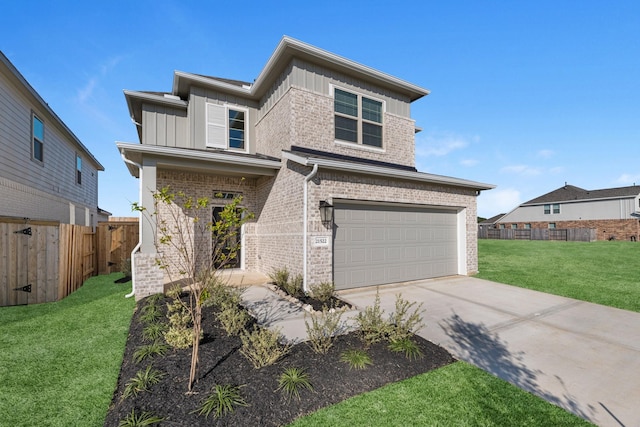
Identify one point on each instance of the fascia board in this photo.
(290, 47)
(385, 172)
(198, 155)
(156, 99)
(180, 77)
(599, 199)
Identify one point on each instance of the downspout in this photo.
(305, 286)
(137, 247)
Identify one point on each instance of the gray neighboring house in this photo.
(46, 173)
(314, 133)
(490, 222)
(613, 212)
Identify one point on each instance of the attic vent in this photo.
(169, 96)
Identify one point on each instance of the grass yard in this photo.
(601, 272)
(456, 395)
(60, 361)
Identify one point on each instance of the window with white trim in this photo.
(549, 208)
(226, 127)
(37, 137)
(78, 169)
(358, 119)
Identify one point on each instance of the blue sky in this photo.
(524, 95)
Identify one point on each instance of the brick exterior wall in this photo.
(618, 229)
(148, 276)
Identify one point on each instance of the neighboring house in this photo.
(490, 222)
(314, 133)
(46, 173)
(613, 212)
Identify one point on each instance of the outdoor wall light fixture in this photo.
(326, 212)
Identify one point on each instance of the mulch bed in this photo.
(222, 363)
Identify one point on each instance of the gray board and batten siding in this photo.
(380, 244)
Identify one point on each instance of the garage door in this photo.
(378, 244)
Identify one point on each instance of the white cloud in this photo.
(545, 154)
(469, 162)
(494, 202)
(86, 92)
(628, 179)
(521, 170)
(437, 145)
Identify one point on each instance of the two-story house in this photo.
(314, 134)
(613, 212)
(46, 173)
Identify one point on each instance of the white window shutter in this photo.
(216, 126)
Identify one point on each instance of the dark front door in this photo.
(220, 243)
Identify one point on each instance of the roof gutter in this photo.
(385, 171)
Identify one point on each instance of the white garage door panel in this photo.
(375, 245)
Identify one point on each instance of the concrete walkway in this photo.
(583, 357)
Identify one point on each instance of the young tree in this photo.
(193, 248)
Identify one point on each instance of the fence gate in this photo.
(116, 240)
(28, 262)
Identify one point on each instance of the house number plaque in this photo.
(321, 241)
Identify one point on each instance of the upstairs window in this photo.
(37, 133)
(358, 119)
(555, 208)
(78, 169)
(226, 127)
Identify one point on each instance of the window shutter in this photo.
(216, 126)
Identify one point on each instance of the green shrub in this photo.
(280, 277)
(180, 332)
(222, 400)
(403, 321)
(142, 382)
(144, 419)
(154, 331)
(291, 285)
(373, 327)
(323, 291)
(219, 294)
(323, 329)
(149, 351)
(155, 298)
(406, 346)
(356, 358)
(294, 286)
(150, 313)
(292, 381)
(233, 318)
(262, 347)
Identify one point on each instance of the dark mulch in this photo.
(222, 363)
(125, 279)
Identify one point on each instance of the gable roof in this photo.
(492, 220)
(570, 193)
(287, 49)
(35, 97)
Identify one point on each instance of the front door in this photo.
(221, 246)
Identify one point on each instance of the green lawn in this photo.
(456, 395)
(59, 362)
(599, 272)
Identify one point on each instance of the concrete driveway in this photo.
(583, 357)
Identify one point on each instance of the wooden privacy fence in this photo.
(564, 234)
(115, 241)
(43, 261)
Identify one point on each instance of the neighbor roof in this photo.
(570, 193)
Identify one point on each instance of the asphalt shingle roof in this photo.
(571, 193)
